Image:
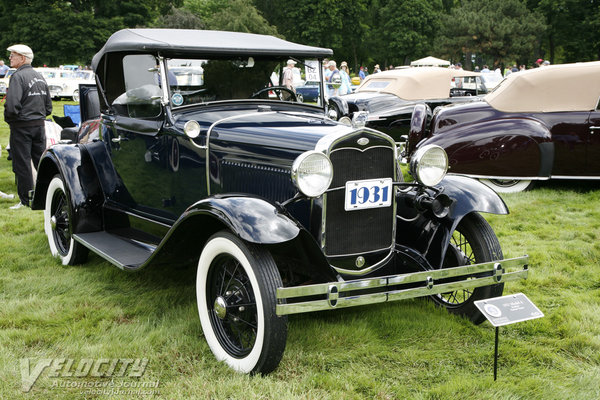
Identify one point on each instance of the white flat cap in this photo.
(21, 49)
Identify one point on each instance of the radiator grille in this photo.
(360, 231)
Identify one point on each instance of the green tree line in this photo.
(362, 32)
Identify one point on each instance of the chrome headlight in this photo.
(332, 113)
(312, 173)
(429, 164)
(192, 129)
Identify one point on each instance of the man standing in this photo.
(288, 79)
(27, 104)
(3, 69)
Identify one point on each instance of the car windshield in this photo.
(196, 81)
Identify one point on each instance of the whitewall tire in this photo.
(58, 225)
(236, 293)
(508, 185)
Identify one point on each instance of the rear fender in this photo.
(74, 165)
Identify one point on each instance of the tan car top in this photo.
(417, 83)
(565, 87)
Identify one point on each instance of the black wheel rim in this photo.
(459, 253)
(232, 306)
(59, 214)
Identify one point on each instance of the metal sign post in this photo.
(507, 310)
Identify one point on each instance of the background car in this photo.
(308, 92)
(280, 209)
(64, 83)
(389, 97)
(537, 124)
(4, 81)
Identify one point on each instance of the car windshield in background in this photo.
(195, 81)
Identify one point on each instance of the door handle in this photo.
(119, 139)
(595, 128)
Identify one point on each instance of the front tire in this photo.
(473, 241)
(508, 185)
(236, 294)
(58, 225)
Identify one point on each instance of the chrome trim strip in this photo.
(575, 177)
(506, 178)
(426, 278)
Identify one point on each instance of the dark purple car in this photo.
(537, 125)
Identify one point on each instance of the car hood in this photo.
(291, 130)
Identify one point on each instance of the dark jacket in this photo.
(28, 100)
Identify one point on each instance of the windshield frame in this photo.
(163, 64)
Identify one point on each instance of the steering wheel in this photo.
(275, 89)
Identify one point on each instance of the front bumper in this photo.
(328, 296)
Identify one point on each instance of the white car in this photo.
(64, 82)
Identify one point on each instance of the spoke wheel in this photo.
(234, 315)
(58, 225)
(472, 242)
(236, 293)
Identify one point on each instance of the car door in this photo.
(593, 149)
(139, 149)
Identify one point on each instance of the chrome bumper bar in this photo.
(328, 296)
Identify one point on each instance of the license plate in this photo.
(372, 193)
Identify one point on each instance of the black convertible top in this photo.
(178, 42)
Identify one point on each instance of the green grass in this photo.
(404, 350)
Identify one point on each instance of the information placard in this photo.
(508, 310)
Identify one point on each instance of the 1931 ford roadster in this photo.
(282, 210)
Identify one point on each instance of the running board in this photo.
(123, 253)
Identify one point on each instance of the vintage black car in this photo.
(281, 209)
(387, 99)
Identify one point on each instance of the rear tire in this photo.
(236, 293)
(58, 224)
(473, 241)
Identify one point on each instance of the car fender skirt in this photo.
(253, 219)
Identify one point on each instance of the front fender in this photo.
(341, 105)
(512, 147)
(253, 219)
(430, 235)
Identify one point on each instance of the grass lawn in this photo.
(403, 350)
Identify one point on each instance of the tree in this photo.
(339, 25)
(573, 27)
(407, 29)
(503, 31)
(230, 15)
(71, 32)
(180, 18)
